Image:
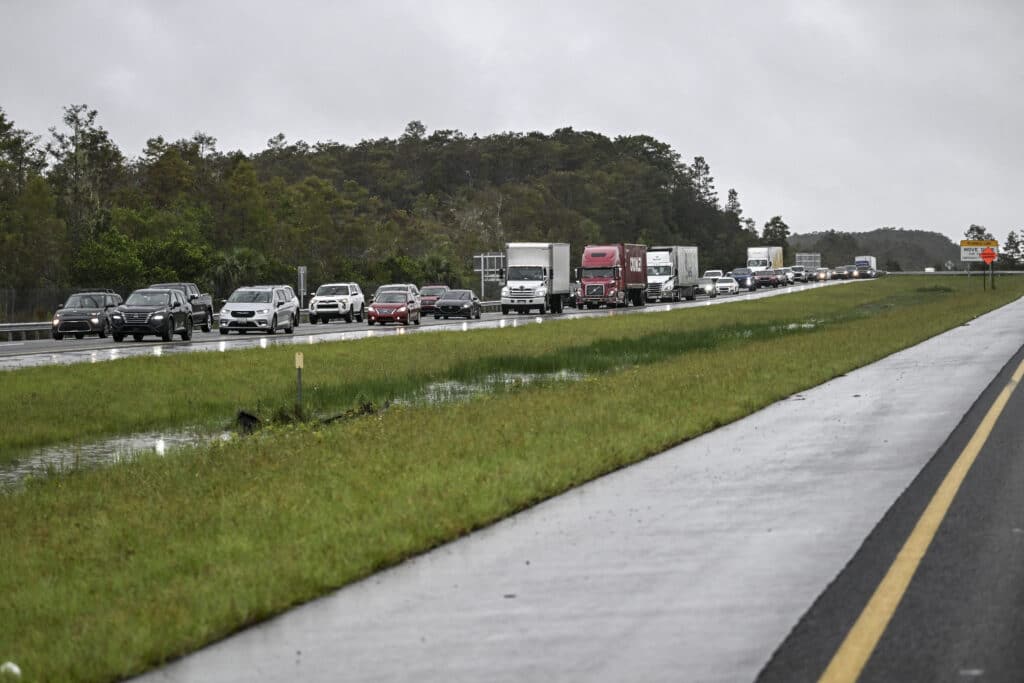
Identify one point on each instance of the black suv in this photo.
(163, 312)
(202, 304)
(85, 313)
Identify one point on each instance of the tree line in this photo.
(76, 212)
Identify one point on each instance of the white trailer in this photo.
(810, 262)
(537, 276)
(764, 258)
(672, 273)
(865, 261)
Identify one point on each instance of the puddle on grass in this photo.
(450, 391)
(65, 458)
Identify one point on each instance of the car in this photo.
(800, 273)
(296, 304)
(163, 312)
(713, 274)
(337, 300)
(461, 303)
(202, 303)
(865, 273)
(706, 285)
(413, 291)
(821, 275)
(789, 275)
(393, 306)
(744, 278)
(85, 313)
(727, 285)
(263, 308)
(766, 278)
(429, 296)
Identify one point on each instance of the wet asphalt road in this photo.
(962, 617)
(31, 353)
(697, 563)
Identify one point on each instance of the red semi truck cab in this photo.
(613, 275)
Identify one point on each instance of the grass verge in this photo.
(106, 572)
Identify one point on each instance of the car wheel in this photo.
(186, 335)
(207, 321)
(138, 337)
(104, 329)
(419, 316)
(118, 337)
(168, 333)
(79, 335)
(291, 328)
(361, 314)
(348, 316)
(369, 322)
(313, 319)
(407, 320)
(273, 326)
(223, 330)
(445, 317)
(295, 319)
(58, 336)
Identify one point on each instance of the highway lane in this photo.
(960, 616)
(31, 353)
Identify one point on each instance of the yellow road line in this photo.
(860, 642)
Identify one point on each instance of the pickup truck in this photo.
(202, 303)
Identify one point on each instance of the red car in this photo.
(429, 296)
(393, 307)
(766, 278)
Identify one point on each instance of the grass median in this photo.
(106, 572)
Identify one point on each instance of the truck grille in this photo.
(654, 289)
(521, 291)
(595, 290)
(136, 318)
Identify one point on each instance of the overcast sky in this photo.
(848, 115)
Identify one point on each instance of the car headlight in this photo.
(403, 309)
(263, 311)
(56, 320)
(94, 321)
(158, 316)
(466, 305)
(116, 316)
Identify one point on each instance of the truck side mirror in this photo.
(576, 274)
(501, 273)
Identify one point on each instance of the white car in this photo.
(790, 275)
(266, 308)
(337, 300)
(727, 285)
(713, 274)
(413, 291)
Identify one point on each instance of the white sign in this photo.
(973, 254)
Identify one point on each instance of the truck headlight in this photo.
(542, 291)
(504, 291)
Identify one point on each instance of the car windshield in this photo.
(712, 273)
(169, 285)
(525, 273)
(433, 291)
(332, 290)
(149, 298)
(459, 295)
(726, 281)
(391, 297)
(705, 281)
(741, 271)
(250, 296)
(659, 270)
(595, 272)
(84, 301)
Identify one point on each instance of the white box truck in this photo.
(865, 262)
(672, 273)
(764, 258)
(536, 276)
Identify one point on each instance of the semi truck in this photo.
(536, 276)
(764, 258)
(865, 262)
(810, 262)
(671, 273)
(613, 275)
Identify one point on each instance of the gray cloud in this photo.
(850, 115)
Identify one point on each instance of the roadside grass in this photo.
(109, 571)
(83, 403)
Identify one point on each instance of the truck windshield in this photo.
(525, 273)
(595, 272)
(659, 270)
(757, 263)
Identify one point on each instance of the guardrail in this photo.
(25, 331)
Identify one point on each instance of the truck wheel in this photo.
(79, 335)
(542, 310)
(138, 337)
(504, 310)
(312, 319)
(118, 337)
(359, 316)
(348, 316)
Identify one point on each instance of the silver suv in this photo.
(413, 290)
(265, 308)
(337, 300)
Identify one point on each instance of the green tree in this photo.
(1012, 255)
(110, 259)
(775, 232)
(978, 232)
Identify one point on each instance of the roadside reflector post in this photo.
(298, 370)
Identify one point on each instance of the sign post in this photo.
(302, 286)
(988, 255)
(298, 370)
(980, 251)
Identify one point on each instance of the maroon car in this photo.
(393, 307)
(429, 296)
(766, 278)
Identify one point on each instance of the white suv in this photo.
(337, 300)
(413, 290)
(262, 308)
